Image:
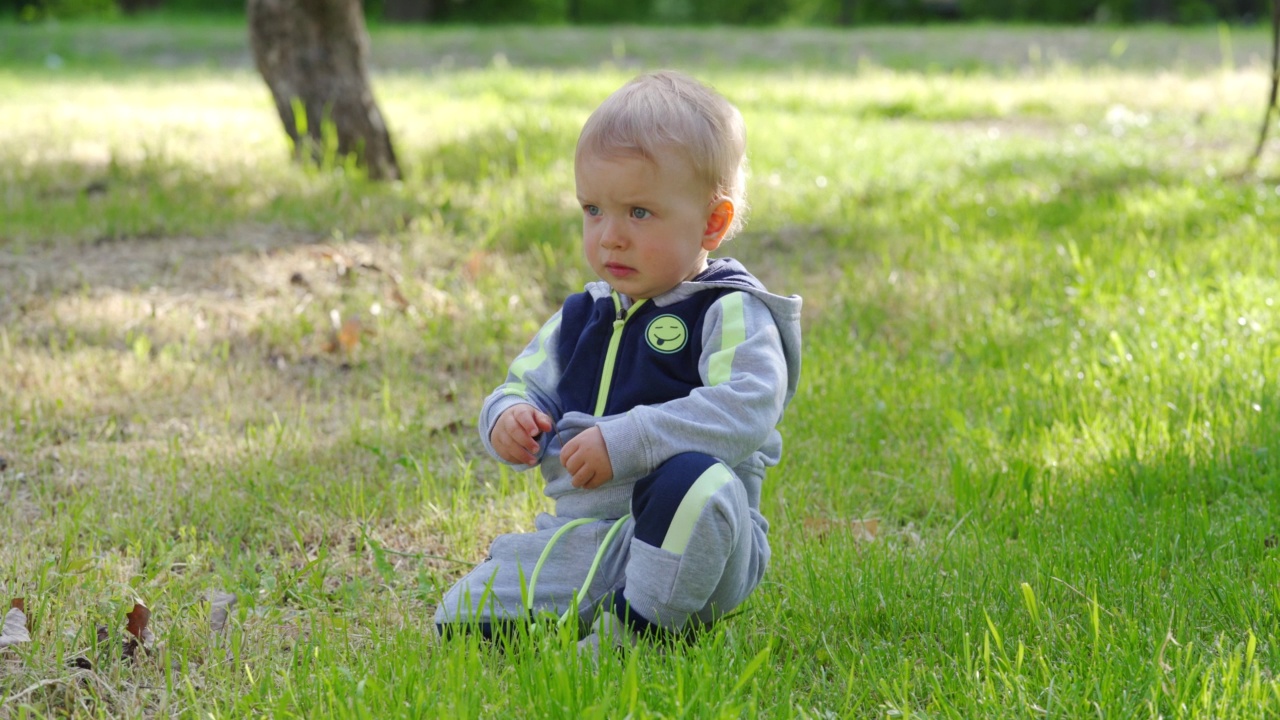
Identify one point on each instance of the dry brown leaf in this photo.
(346, 334)
(864, 530)
(341, 262)
(397, 298)
(349, 334)
(476, 265)
(221, 604)
(14, 628)
(138, 618)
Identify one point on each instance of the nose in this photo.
(612, 235)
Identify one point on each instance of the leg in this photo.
(696, 550)
(495, 592)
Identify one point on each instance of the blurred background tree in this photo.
(314, 55)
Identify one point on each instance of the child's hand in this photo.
(515, 435)
(587, 459)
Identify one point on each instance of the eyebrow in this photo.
(643, 202)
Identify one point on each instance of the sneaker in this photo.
(609, 631)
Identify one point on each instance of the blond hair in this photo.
(668, 110)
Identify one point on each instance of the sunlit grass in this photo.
(1041, 337)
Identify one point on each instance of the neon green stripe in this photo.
(526, 363)
(611, 357)
(595, 563)
(733, 332)
(546, 553)
(677, 538)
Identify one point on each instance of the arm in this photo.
(744, 372)
(516, 416)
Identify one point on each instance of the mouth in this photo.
(618, 269)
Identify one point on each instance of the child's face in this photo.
(647, 225)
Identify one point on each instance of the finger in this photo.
(528, 422)
(512, 451)
(576, 469)
(543, 420)
(530, 443)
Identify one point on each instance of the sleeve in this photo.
(532, 379)
(744, 371)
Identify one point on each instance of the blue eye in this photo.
(591, 210)
(640, 213)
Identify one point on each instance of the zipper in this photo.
(611, 356)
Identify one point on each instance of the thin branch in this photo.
(1275, 81)
(45, 683)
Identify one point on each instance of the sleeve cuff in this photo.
(628, 446)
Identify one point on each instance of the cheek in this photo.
(590, 247)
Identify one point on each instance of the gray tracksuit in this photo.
(687, 390)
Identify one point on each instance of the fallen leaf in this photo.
(476, 265)
(397, 298)
(341, 262)
(14, 629)
(346, 333)
(138, 618)
(864, 530)
(349, 334)
(221, 604)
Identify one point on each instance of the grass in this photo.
(1041, 343)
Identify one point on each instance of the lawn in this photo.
(1033, 467)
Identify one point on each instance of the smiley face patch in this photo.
(666, 334)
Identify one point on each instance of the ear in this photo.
(717, 224)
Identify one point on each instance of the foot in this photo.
(606, 631)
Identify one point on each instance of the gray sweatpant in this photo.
(692, 550)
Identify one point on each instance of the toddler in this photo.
(650, 400)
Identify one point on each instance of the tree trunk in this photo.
(1156, 10)
(133, 7)
(845, 18)
(1273, 101)
(313, 55)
